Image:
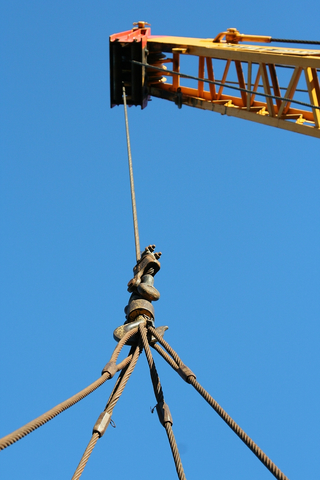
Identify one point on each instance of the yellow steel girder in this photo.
(279, 112)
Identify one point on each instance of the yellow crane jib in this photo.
(276, 86)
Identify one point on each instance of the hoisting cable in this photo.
(105, 417)
(301, 90)
(162, 408)
(286, 40)
(225, 85)
(133, 196)
(108, 372)
(177, 364)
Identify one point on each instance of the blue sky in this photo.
(233, 206)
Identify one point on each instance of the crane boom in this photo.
(249, 83)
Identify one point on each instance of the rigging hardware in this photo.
(232, 35)
(141, 286)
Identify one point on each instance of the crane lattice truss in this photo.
(144, 63)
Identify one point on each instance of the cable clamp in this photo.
(164, 413)
(102, 423)
(185, 372)
(110, 368)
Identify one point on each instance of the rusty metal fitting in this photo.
(143, 292)
(164, 413)
(160, 331)
(123, 329)
(110, 368)
(137, 307)
(140, 24)
(185, 372)
(233, 35)
(147, 290)
(102, 423)
(148, 262)
(141, 285)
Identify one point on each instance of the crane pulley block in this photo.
(124, 48)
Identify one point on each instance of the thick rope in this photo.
(45, 417)
(133, 195)
(114, 397)
(165, 356)
(85, 457)
(120, 376)
(121, 343)
(166, 345)
(267, 462)
(124, 379)
(61, 407)
(160, 399)
(153, 371)
(175, 451)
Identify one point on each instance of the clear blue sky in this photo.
(233, 206)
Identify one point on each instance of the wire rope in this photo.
(113, 399)
(286, 40)
(301, 90)
(176, 364)
(124, 377)
(85, 457)
(133, 195)
(166, 419)
(61, 407)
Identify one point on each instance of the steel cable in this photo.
(133, 195)
(303, 42)
(116, 385)
(175, 451)
(124, 379)
(85, 457)
(61, 407)
(165, 356)
(301, 90)
(153, 371)
(160, 399)
(45, 417)
(114, 397)
(267, 462)
(121, 343)
(166, 345)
